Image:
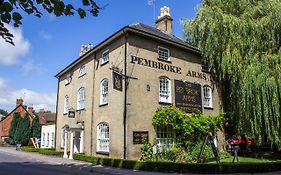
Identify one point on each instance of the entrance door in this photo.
(76, 141)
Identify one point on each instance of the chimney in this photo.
(164, 21)
(19, 102)
(85, 48)
(30, 109)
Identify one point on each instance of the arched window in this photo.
(104, 92)
(165, 90)
(66, 104)
(103, 137)
(81, 98)
(208, 101)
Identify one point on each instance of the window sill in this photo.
(102, 153)
(167, 61)
(65, 113)
(206, 71)
(209, 108)
(79, 76)
(164, 103)
(101, 105)
(82, 109)
(102, 64)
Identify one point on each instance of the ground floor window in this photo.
(62, 144)
(165, 137)
(103, 137)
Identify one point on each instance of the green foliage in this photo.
(3, 112)
(23, 131)
(36, 128)
(10, 11)
(241, 40)
(14, 125)
(189, 128)
(146, 152)
(194, 150)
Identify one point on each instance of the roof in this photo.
(14, 110)
(46, 117)
(137, 28)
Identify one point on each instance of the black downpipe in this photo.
(125, 98)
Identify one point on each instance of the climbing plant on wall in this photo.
(242, 41)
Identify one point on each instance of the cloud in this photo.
(30, 67)
(39, 100)
(10, 54)
(46, 36)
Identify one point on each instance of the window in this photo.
(82, 70)
(206, 66)
(104, 92)
(43, 139)
(163, 54)
(53, 140)
(81, 98)
(62, 144)
(165, 90)
(68, 79)
(207, 97)
(165, 137)
(105, 57)
(48, 140)
(103, 137)
(66, 104)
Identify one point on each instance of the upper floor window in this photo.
(105, 57)
(163, 53)
(81, 98)
(66, 104)
(206, 66)
(103, 137)
(82, 70)
(68, 79)
(165, 90)
(208, 101)
(104, 92)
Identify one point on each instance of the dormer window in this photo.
(105, 57)
(68, 79)
(82, 70)
(163, 54)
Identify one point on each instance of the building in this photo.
(107, 97)
(5, 123)
(48, 136)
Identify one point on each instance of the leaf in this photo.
(17, 16)
(81, 13)
(6, 6)
(6, 18)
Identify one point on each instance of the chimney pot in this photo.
(19, 102)
(164, 21)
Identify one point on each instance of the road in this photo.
(14, 162)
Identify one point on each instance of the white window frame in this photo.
(66, 104)
(68, 79)
(207, 97)
(165, 138)
(43, 139)
(48, 140)
(163, 53)
(82, 70)
(81, 98)
(105, 57)
(53, 140)
(62, 144)
(103, 137)
(165, 95)
(104, 92)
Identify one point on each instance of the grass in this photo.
(246, 160)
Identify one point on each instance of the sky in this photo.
(46, 45)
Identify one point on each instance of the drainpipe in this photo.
(56, 125)
(125, 98)
(92, 114)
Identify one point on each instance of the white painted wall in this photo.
(48, 133)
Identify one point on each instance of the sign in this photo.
(140, 137)
(71, 114)
(188, 96)
(117, 81)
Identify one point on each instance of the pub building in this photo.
(107, 97)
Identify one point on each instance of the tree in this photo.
(242, 42)
(23, 131)
(14, 125)
(10, 11)
(3, 112)
(36, 128)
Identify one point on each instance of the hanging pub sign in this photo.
(140, 137)
(117, 81)
(188, 96)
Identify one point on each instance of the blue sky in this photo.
(46, 45)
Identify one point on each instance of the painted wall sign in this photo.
(195, 74)
(117, 81)
(155, 64)
(140, 137)
(188, 96)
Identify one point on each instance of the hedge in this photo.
(170, 167)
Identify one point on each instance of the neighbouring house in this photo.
(6, 121)
(48, 128)
(1, 116)
(107, 97)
